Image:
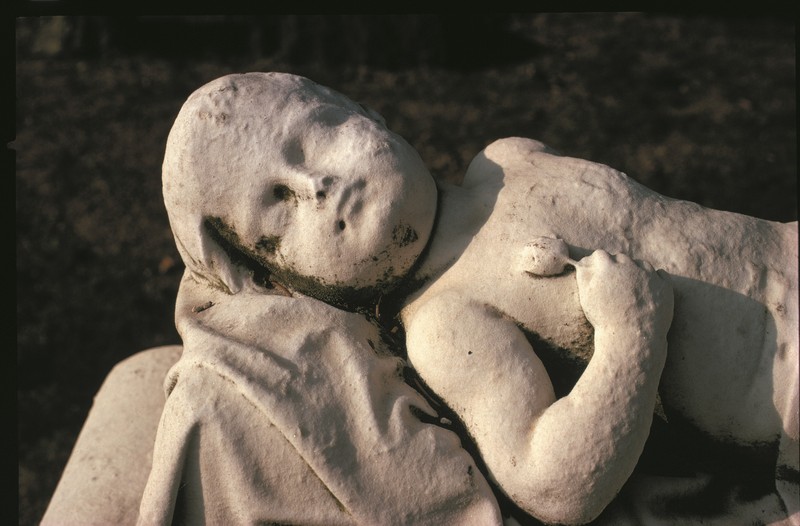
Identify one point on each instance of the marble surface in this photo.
(297, 211)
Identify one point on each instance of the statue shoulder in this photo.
(521, 159)
(490, 165)
(517, 146)
(452, 322)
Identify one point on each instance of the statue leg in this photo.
(109, 465)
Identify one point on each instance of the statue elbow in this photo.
(566, 502)
(566, 513)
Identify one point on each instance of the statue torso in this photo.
(735, 285)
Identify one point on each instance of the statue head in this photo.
(273, 171)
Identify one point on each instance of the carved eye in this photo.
(341, 225)
(321, 194)
(282, 192)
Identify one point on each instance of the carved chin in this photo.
(349, 296)
(378, 268)
(358, 285)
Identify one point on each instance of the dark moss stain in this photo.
(345, 297)
(404, 235)
(393, 299)
(265, 272)
(269, 244)
(230, 243)
(219, 231)
(422, 416)
(281, 192)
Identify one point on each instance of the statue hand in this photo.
(617, 292)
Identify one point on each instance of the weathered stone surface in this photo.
(278, 187)
(731, 365)
(300, 180)
(110, 463)
(287, 410)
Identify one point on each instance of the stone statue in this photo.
(531, 307)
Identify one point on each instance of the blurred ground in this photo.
(698, 108)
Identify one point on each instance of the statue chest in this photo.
(547, 309)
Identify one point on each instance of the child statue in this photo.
(552, 304)
(535, 261)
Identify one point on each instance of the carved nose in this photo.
(322, 186)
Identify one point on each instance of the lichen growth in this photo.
(265, 271)
(282, 192)
(229, 241)
(269, 244)
(404, 235)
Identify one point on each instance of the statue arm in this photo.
(564, 460)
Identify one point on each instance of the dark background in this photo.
(697, 107)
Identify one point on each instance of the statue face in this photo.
(344, 200)
(303, 180)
